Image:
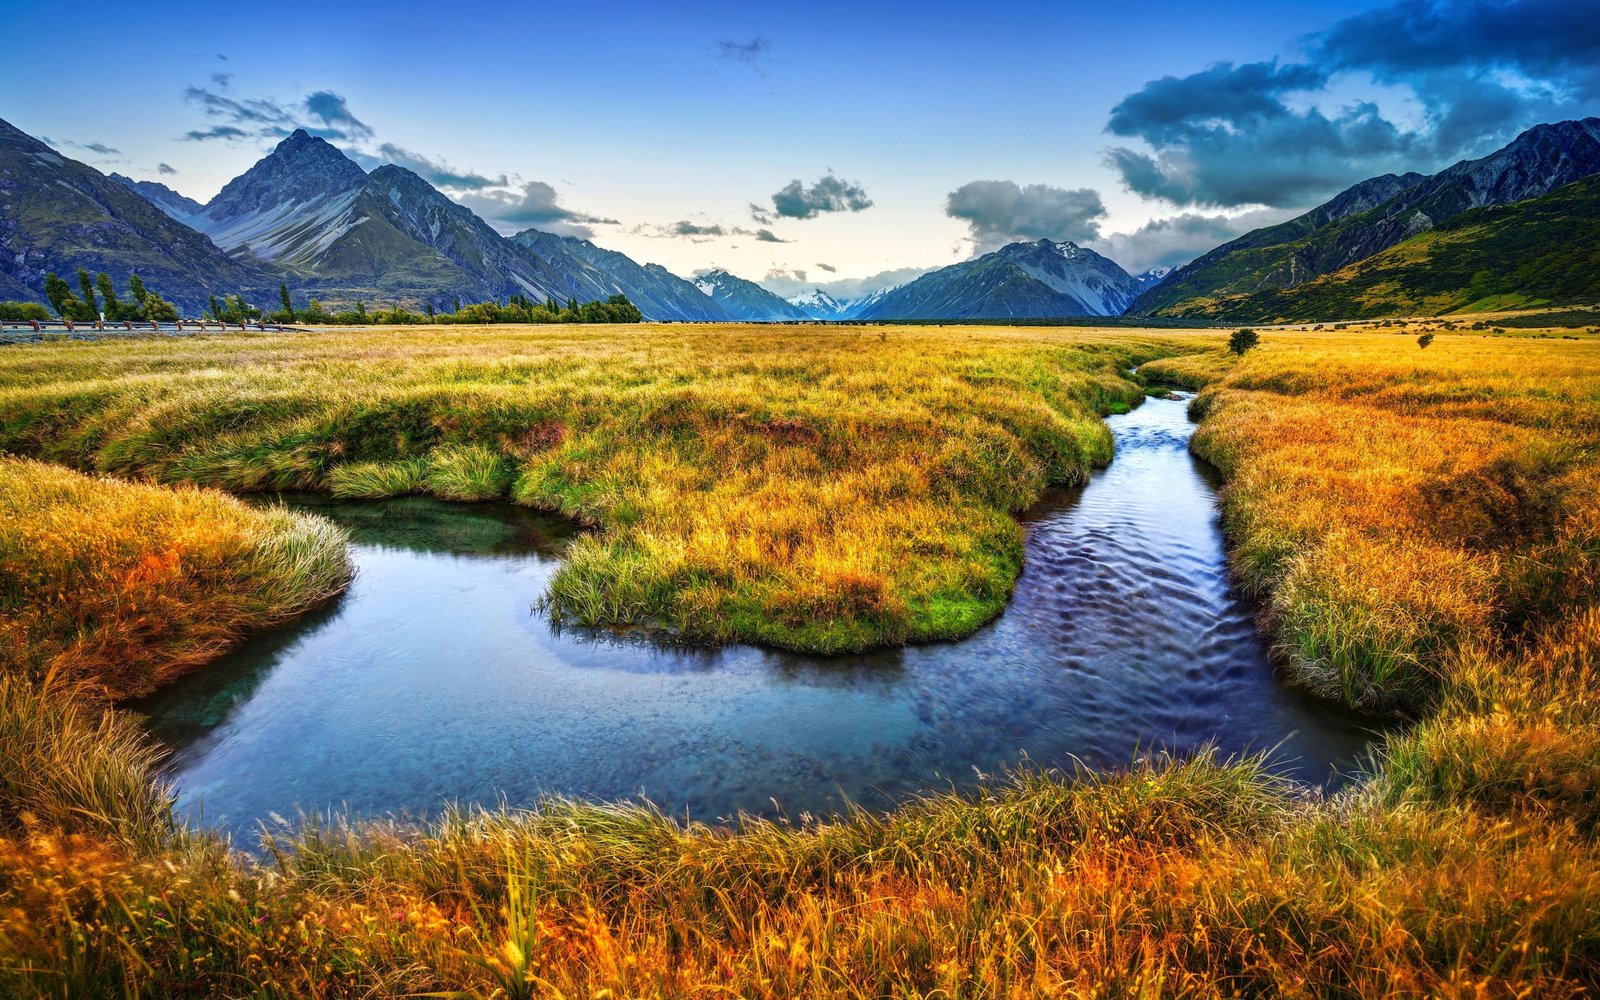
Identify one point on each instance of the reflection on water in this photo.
(432, 680)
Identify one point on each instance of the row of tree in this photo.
(98, 298)
(517, 309)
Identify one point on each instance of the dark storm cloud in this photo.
(829, 268)
(1542, 38)
(1268, 155)
(767, 236)
(222, 80)
(1167, 108)
(1001, 212)
(829, 194)
(1263, 133)
(1180, 239)
(166, 168)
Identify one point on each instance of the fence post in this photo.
(155, 326)
(36, 327)
(70, 327)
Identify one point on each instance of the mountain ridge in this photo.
(1369, 218)
(1035, 280)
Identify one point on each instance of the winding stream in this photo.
(432, 679)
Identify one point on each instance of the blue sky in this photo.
(894, 136)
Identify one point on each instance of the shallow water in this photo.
(433, 680)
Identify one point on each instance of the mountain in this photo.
(1238, 279)
(818, 304)
(1151, 278)
(1536, 252)
(745, 300)
(345, 235)
(57, 214)
(161, 196)
(1020, 281)
(659, 294)
(290, 207)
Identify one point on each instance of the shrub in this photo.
(1243, 340)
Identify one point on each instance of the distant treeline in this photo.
(95, 297)
(517, 309)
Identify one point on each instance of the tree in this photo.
(1424, 340)
(108, 296)
(429, 306)
(24, 311)
(288, 306)
(1243, 340)
(216, 310)
(87, 287)
(59, 294)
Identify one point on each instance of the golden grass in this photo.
(1420, 523)
(817, 488)
(122, 585)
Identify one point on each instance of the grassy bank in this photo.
(815, 488)
(122, 585)
(1420, 523)
(109, 589)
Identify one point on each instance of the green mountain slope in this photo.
(1542, 251)
(57, 214)
(1236, 280)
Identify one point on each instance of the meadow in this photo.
(822, 490)
(1421, 525)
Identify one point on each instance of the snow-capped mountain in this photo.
(1152, 278)
(1037, 280)
(745, 300)
(343, 234)
(818, 304)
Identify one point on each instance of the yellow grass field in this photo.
(1421, 525)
